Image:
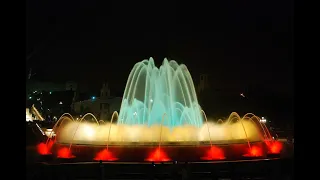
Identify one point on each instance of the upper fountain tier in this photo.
(152, 92)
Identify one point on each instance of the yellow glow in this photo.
(92, 133)
(49, 133)
(89, 131)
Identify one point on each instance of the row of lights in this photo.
(30, 97)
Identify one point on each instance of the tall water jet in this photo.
(160, 137)
(58, 124)
(114, 114)
(214, 152)
(150, 92)
(205, 117)
(105, 154)
(159, 155)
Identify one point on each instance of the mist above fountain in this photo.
(98, 134)
(160, 96)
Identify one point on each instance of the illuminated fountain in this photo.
(160, 109)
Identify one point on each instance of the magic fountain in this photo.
(159, 109)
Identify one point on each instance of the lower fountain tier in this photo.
(164, 143)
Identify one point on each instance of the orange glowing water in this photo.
(275, 147)
(254, 151)
(65, 153)
(158, 156)
(105, 155)
(45, 149)
(214, 153)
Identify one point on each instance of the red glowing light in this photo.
(267, 142)
(214, 153)
(105, 155)
(254, 151)
(65, 153)
(275, 147)
(158, 156)
(50, 144)
(43, 149)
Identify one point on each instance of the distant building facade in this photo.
(102, 107)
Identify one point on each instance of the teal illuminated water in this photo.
(153, 94)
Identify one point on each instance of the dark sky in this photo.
(240, 44)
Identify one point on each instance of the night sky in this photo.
(240, 44)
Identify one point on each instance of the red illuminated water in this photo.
(105, 155)
(254, 151)
(214, 153)
(158, 156)
(45, 149)
(275, 147)
(65, 153)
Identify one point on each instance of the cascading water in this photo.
(151, 92)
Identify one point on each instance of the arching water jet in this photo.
(105, 154)
(159, 155)
(236, 116)
(205, 117)
(62, 118)
(65, 152)
(220, 121)
(115, 113)
(255, 119)
(214, 153)
(76, 130)
(45, 148)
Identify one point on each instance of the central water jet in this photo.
(151, 92)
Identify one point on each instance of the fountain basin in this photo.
(131, 153)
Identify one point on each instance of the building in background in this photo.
(102, 107)
(50, 99)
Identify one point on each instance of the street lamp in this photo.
(263, 120)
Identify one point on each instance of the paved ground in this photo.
(258, 169)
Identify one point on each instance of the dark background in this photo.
(244, 47)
